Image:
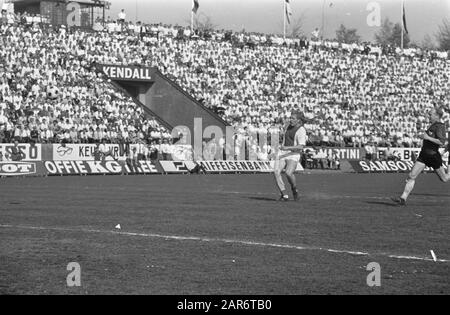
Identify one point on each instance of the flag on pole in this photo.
(404, 19)
(288, 11)
(195, 6)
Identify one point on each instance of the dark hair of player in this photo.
(440, 112)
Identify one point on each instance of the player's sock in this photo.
(295, 193)
(408, 189)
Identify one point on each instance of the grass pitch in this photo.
(222, 234)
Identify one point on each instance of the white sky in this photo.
(423, 16)
(266, 16)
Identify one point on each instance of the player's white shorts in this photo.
(294, 157)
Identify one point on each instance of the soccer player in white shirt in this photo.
(289, 155)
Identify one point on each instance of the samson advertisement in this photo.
(383, 166)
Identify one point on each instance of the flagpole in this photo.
(284, 21)
(403, 23)
(192, 18)
(192, 21)
(323, 19)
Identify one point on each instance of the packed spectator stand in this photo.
(48, 94)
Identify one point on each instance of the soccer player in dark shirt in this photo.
(433, 140)
(448, 150)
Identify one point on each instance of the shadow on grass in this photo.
(432, 195)
(263, 199)
(268, 199)
(383, 203)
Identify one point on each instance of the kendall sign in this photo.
(127, 73)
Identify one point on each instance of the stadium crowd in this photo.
(354, 94)
(49, 95)
(357, 94)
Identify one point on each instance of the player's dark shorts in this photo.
(431, 160)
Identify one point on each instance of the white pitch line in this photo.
(219, 240)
